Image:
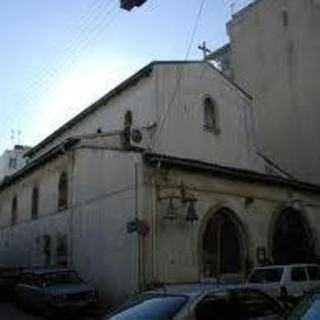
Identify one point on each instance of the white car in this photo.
(200, 302)
(285, 280)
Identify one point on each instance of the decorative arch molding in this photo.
(305, 230)
(242, 231)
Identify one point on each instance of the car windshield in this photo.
(266, 275)
(151, 307)
(308, 309)
(50, 279)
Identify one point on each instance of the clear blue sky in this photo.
(59, 56)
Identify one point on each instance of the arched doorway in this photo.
(223, 245)
(292, 238)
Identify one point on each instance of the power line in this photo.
(77, 45)
(180, 71)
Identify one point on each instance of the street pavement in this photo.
(10, 311)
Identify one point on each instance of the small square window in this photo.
(13, 163)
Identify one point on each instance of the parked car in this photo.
(308, 308)
(54, 290)
(283, 281)
(9, 277)
(199, 302)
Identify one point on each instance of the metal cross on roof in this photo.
(204, 49)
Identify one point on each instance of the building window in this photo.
(35, 203)
(210, 115)
(63, 191)
(128, 119)
(47, 249)
(13, 163)
(285, 18)
(14, 211)
(62, 251)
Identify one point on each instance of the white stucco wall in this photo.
(104, 204)
(181, 132)
(172, 98)
(102, 200)
(177, 256)
(101, 203)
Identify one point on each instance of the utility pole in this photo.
(130, 4)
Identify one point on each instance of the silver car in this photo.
(54, 290)
(200, 302)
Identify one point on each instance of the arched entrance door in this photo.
(223, 245)
(292, 239)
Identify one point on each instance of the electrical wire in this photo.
(181, 70)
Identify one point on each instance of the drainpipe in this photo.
(71, 212)
(154, 228)
(136, 212)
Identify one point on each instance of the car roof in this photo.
(197, 289)
(42, 271)
(287, 266)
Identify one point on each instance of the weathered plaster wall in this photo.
(172, 98)
(181, 132)
(18, 242)
(278, 63)
(103, 251)
(178, 243)
(139, 98)
(101, 203)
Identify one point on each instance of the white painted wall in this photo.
(104, 204)
(172, 97)
(177, 255)
(180, 130)
(101, 203)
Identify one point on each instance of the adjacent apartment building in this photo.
(273, 54)
(12, 160)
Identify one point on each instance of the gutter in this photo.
(169, 162)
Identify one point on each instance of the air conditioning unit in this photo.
(140, 138)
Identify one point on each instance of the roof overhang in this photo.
(195, 166)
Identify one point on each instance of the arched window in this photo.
(63, 191)
(14, 210)
(210, 115)
(127, 128)
(128, 119)
(35, 203)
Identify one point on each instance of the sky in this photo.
(57, 57)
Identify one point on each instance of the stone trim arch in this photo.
(243, 233)
(273, 225)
